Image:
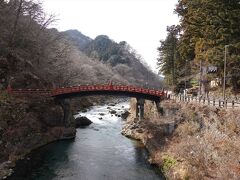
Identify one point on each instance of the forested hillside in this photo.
(207, 30)
(120, 57)
(34, 56)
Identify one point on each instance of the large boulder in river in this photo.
(125, 115)
(113, 111)
(82, 121)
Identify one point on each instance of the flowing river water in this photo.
(99, 152)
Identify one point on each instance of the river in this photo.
(99, 152)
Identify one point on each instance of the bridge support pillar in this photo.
(68, 119)
(140, 108)
(159, 108)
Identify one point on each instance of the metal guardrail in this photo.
(207, 101)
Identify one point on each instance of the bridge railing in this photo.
(88, 88)
(28, 91)
(84, 88)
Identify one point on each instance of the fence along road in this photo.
(216, 102)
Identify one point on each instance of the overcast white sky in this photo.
(142, 23)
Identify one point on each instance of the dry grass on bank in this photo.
(205, 143)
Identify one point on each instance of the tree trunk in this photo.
(11, 41)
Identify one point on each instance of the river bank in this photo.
(189, 141)
(30, 122)
(99, 152)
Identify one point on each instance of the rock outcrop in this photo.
(26, 124)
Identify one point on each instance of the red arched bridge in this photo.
(87, 90)
(139, 93)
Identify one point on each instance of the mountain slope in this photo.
(121, 58)
(77, 38)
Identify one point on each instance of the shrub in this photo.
(168, 162)
(188, 128)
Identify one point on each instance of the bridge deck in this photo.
(90, 89)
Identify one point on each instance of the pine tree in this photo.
(168, 55)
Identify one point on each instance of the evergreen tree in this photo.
(168, 61)
(207, 26)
